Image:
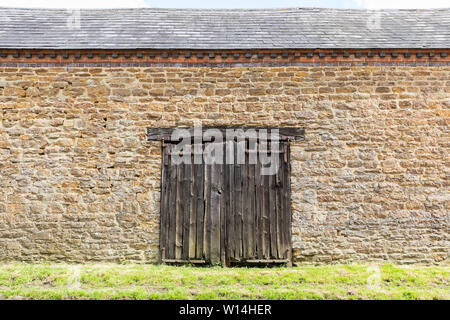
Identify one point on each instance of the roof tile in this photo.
(224, 29)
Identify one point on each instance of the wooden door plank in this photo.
(272, 217)
(245, 206)
(185, 182)
(283, 207)
(200, 208)
(223, 211)
(287, 201)
(172, 199)
(266, 210)
(278, 209)
(238, 211)
(259, 201)
(193, 214)
(186, 209)
(231, 226)
(163, 205)
(179, 212)
(251, 212)
(215, 213)
(207, 217)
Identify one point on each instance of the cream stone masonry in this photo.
(79, 181)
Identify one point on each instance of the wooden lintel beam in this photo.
(294, 134)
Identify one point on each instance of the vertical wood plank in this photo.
(199, 187)
(179, 212)
(266, 226)
(259, 207)
(163, 202)
(223, 211)
(172, 208)
(231, 229)
(245, 206)
(215, 212)
(207, 217)
(283, 228)
(192, 213)
(186, 209)
(272, 217)
(251, 212)
(238, 210)
(287, 200)
(279, 200)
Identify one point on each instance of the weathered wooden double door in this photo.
(225, 213)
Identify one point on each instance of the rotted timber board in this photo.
(293, 134)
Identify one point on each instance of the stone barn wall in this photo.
(79, 182)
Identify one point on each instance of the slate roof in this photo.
(224, 29)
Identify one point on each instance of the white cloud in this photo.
(73, 4)
(402, 4)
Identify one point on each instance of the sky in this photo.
(362, 4)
